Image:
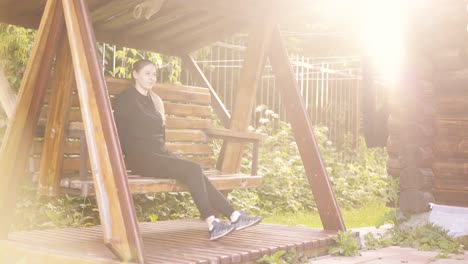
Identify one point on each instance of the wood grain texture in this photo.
(153, 185)
(19, 134)
(115, 202)
(218, 106)
(255, 57)
(316, 173)
(177, 241)
(55, 132)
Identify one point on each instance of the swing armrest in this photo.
(234, 135)
(239, 136)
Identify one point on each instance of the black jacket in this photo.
(139, 125)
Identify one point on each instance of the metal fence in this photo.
(330, 86)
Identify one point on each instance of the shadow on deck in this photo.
(177, 241)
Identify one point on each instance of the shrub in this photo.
(357, 175)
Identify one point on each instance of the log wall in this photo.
(428, 124)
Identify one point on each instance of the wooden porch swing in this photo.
(65, 53)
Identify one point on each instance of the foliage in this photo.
(346, 245)
(125, 57)
(33, 212)
(283, 257)
(15, 49)
(353, 217)
(356, 181)
(423, 237)
(153, 207)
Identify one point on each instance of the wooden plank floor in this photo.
(177, 241)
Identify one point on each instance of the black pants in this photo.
(207, 198)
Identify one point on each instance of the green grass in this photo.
(353, 218)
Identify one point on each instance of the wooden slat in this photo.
(75, 101)
(451, 197)
(171, 123)
(232, 134)
(187, 110)
(450, 184)
(20, 131)
(456, 147)
(450, 105)
(185, 136)
(451, 167)
(316, 173)
(69, 147)
(183, 96)
(72, 163)
(167, 93)
(180, 110)
(176, 241)
(187, 123)
(54, 136)
(148, 185)
(116, 208)
(118, 85)
(190, 149)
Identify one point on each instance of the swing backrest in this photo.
(188, 116)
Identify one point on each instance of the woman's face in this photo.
(146, 77)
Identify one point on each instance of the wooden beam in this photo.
(19, 134)
(117, 213)
(57, 122)
(315, 170)
(259, 41)
(218, 106)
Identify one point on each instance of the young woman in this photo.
(140, 120)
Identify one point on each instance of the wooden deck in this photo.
(177, 241)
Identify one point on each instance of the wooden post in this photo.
(259, 41)
(57, 122)
(216, 102)
(19, 134)
(315, 170)
(120, 227)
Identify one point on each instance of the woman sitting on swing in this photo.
(140, 120)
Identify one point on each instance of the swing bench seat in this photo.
(188, 133)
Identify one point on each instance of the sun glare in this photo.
(381, 28)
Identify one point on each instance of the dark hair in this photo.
(140, 64)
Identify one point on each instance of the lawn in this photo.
(353, 218)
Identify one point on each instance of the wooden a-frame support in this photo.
(265, 41)
(120, 227)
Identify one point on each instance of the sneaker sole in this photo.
(252, 224)
(220, 236)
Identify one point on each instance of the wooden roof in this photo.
(180, 26)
